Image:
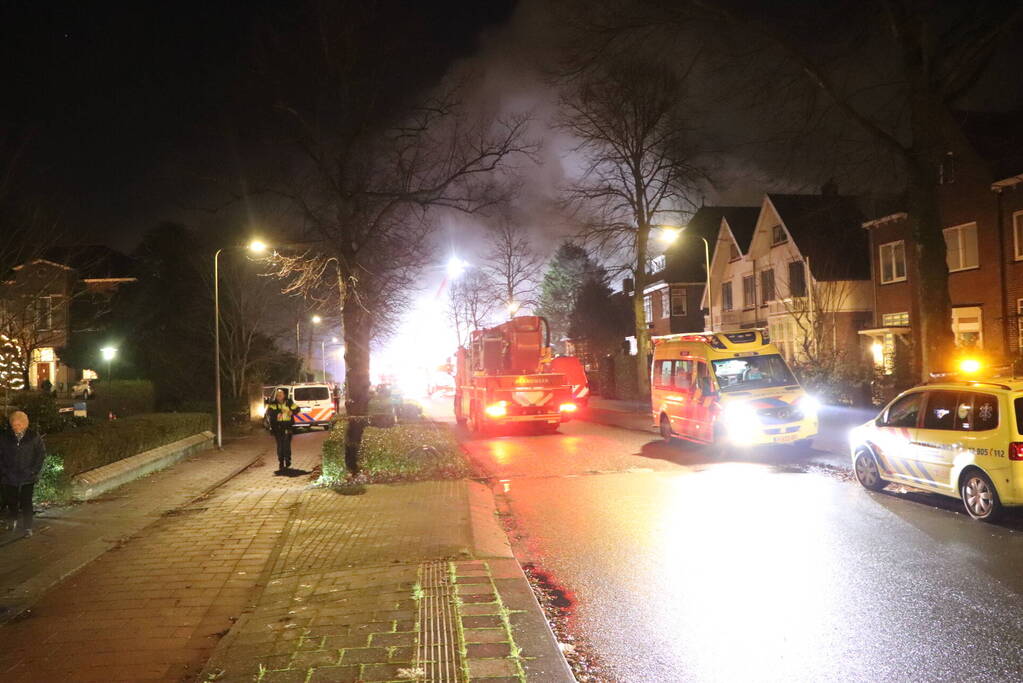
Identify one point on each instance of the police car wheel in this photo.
(666, 432)
(980, 497)
(867, 473)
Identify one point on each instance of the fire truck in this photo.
(504, 377)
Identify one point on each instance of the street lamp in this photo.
(109, 353)
(456, 267)
(513, 308)
(256, 247)
(668, 235)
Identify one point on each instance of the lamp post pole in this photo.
(216, 345)
(710, 293)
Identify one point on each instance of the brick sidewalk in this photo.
(67, 538)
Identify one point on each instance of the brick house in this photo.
(37, 314)
(803, 272)
(981, 209)
(673, 298)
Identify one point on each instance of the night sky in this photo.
(121, 103)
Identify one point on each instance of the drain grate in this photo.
(438, 652)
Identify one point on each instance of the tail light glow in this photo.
(1016, 451)
(499, 409)
(568, 407)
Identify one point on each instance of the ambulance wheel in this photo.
(666, 433)
(980, 497)
(865, 468)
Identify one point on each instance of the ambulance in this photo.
(728, 388)
(958, 436)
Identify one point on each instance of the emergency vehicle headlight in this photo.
(568, 407)
(261, 410)
(809, 405)
(741, 422)
(499, 409)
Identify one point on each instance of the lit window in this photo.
(893, 262)
(961, 243)
(648, 307)
(967, 327)
(895, 320)
(666, 303)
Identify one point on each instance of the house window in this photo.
(44, 313)
(1017, 233)
(726, 296)
(797, 279)
(893, 262)
(678, 301)
(778, 235)
(766, 286)
(966, 327)
(895, 320)
(648, 307)
(657, 263)
(666, 303)
(961, 242)
(749, 292)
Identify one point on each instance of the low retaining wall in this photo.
(102, 479)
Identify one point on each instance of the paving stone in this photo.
(336, 674)
(485, 668)
(482, 622)
(478, 609)
(396, 639)
(380, 672)
(485, 635)
(364, 655)
(485, 650)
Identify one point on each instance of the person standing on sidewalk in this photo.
(22, 453)
(281, 413)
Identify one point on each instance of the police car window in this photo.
(752, 372)
(903, 413)
(985, 412)
(941, 410)
(311, 393)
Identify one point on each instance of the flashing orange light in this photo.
(499, 409)
(568, 407)
(969, 365)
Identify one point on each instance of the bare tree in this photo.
(471, 303)
(639, 165)
(513, 264)
(366, 169)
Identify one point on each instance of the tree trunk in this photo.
(642, 331)
(357, 335)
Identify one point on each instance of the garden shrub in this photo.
(397, 453)
(123, 398)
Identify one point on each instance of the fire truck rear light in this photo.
(1016, 451)
(568, 407)
(499, 409)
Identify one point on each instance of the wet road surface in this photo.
(686, 564)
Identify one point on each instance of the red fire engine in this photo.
(504, 376)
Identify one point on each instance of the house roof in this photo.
(93, 261)
(827, 231)
(685, 257)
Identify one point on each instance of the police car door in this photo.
(947, 419)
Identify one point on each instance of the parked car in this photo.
(83, 389)
(315, 402)
(961, 438)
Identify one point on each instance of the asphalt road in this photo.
(689, 564)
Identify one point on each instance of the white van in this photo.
(315, 401)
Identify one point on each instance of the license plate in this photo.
(786, 438)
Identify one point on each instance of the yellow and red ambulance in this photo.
(728, 387)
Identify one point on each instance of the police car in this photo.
(958, 437)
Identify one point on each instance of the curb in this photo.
(544, 660)
(39, 584)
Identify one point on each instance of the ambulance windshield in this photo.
(753, 372)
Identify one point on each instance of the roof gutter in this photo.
(1011, 181)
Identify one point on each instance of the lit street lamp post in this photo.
(254, 246)
(109, 353)
(669, 233)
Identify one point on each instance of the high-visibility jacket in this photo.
(282, 412)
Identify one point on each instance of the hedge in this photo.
(102, 443)
(123, 398)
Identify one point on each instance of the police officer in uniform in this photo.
(281, 412)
